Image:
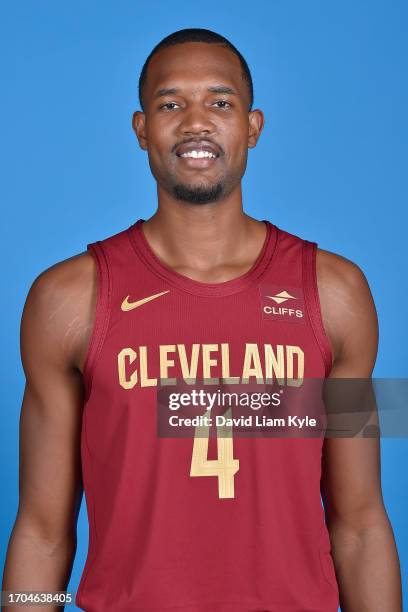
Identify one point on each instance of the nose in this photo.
(196, 120)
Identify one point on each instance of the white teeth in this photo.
(198, 154)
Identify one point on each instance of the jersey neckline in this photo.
(185, 283)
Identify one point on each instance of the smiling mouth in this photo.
(197, 159)
(198, 155)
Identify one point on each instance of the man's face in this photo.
(196, 126)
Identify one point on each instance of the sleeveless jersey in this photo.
(165, 532)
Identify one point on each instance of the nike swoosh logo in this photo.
(126, 305)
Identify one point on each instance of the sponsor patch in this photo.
(282, 303)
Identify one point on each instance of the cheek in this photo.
(235, 138)
(237, 151)
(159, 137)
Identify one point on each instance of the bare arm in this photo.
(363, 546)
(54, 334)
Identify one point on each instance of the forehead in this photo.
(194, 65)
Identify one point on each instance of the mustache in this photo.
(198, 141)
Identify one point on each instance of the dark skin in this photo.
(211, 242)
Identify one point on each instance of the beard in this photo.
(201, 190)
(198, 194)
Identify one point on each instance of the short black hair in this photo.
(196, 35)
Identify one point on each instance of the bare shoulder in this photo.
(347, 305)
(59, 309)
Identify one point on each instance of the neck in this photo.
(216, 240)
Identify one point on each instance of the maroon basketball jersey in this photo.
(180, 523)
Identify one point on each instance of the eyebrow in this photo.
(221, 89)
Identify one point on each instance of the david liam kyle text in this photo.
(250, 421)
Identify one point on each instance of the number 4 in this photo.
(224, 467)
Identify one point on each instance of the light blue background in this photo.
(331, 78)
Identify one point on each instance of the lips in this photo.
(198, 149)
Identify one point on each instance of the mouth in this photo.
(202, 154)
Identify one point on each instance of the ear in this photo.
(139, 127)
(255, 127)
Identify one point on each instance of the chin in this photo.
(198, 194)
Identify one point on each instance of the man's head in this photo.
(196, 123)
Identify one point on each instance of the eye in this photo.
(222, 104)
(168, 106)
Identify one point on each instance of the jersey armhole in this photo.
(312, 300)
(101, 318)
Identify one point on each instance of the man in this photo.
(199, 292)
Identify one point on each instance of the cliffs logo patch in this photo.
(282, 303)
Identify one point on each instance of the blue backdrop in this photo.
(331, 79)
